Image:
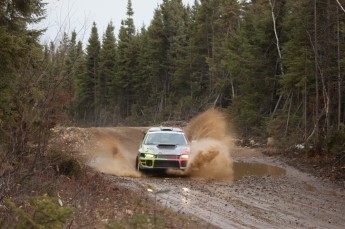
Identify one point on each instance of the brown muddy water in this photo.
(243, 169)
(240, 171)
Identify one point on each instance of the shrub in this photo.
(65, 163)
(39, 212)
(137, 221)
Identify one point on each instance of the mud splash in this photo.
(110, 157)
(113, 152)
(210, 147)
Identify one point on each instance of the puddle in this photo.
(242, 169)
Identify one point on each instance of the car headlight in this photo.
(184, 156)
(149, 155)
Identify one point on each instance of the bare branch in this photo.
(341, 7)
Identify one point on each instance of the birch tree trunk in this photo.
(279, 53)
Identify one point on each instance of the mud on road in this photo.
(265, 192)
(265, 200)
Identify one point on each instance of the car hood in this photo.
(165, 149)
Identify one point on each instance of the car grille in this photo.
(166, 146)
(167, 156)
(166, 164)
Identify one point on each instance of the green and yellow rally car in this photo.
(163, 148)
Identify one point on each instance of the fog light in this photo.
(184, 156)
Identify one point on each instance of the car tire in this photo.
(137, 165)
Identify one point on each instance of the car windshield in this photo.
(165, 139)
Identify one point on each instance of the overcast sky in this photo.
(69, 15)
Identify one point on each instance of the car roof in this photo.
(165, 128)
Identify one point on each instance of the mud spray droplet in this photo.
(111, 157)
(211, 146)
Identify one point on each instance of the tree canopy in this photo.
(276, 67)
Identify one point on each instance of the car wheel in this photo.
(137, 164)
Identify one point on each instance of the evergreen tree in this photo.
(167, 41)
(297, 59)
(127, 59)
(175, 20)
(199, 50)
(277, 65)
(90, 96)
(20, 63)
(107, 72)
(71, 58)
(251, 59)
(193, 56)
(144, 80)
(310, 57)
(80, 81)
(73, 61)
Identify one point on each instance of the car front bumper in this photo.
(162, 163)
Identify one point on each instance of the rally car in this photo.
(163, 148)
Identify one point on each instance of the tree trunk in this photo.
(339, 74)
(288, 117)
(305, 110)
(316, 77)
(279, 53)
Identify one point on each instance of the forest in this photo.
(275, 67)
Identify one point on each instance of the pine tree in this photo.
(80, 81)
(127, 59)
(227, 17)
(73, 61)
(70, 63)
(158, 46)
(313, 67)
(199, 50)
(143, 79)
(20, 64)
(174, 24)
(297, 59)
(107, 73)
(252, 62)
(90, 94)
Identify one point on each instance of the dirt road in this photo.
(266, 193)
(293, 200)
